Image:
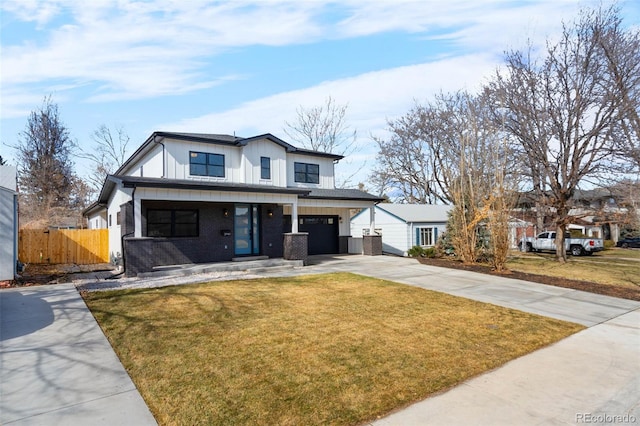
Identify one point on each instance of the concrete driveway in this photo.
(58, 368)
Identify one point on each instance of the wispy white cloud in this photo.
(372, 97)
(145, 49)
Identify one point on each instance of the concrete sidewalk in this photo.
(58, 368)
(56, 365)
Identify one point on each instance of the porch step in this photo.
(262, 265)
(249, 258)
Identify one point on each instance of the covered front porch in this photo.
(175, 226)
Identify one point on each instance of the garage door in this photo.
(323, 232)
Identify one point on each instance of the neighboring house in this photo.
(8, 223)
(198, 198)
(403, 226)
(597, 213)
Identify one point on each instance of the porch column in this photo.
(296, 243)
(344, 234)
(294, 217)
(372, 220)
(137, 218)
(372, 243)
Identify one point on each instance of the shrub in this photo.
(608, 244)
(430, 252)
(416, 251)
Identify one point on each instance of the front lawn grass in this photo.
(320, 349)
(602, 267)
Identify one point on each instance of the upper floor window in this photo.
(307, 173)
(204, 164)
(265, 168)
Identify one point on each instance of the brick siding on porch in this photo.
(211, 245)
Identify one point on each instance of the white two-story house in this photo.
(199, 198)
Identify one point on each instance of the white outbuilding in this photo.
(403, 226)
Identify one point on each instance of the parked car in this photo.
(546, 241)
(629, 242)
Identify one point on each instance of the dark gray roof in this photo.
(149, 182)
(342, 194)
(206, 136)
(95, 206)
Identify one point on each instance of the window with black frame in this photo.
(172, 223)
(265, 168)
(206, 164)
(306, 173)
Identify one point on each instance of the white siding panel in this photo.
(395, 232)
(148, 166)
(251, 158)
(97, 220)
(8, 237)
(213, 196)
(118, 198)
(394, 238)
(178, 160)
(343, 204)
(356, 246)
(326, 171)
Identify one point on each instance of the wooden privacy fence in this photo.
(80, 246)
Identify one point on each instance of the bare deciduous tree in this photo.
(108, 153)
(324, 128)
(564, 113)
(449, 151)
(621, 50)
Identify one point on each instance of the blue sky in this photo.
(245, 66)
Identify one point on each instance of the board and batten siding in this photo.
(149, 165)
(165, 194)
(177, 161)
(252, 153)
(326, 171)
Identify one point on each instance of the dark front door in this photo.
(247, 229)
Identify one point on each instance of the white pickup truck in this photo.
(546, 241)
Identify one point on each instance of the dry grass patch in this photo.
(629, 253)
(321, 349)
(599, 268)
